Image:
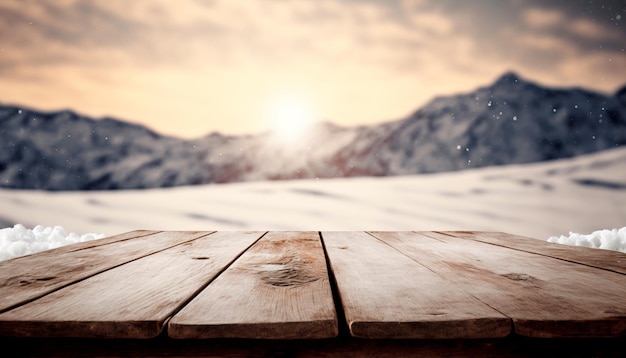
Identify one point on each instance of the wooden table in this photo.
(314, 293)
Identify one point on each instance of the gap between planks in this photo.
(133, 300)
(278, 289)
(28, 278)
(599, 258)
(386, 294)
(545, 297)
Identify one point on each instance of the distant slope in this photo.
(511, 121)
(539, 200)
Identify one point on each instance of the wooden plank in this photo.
(129, 301)
(605, 259)
(279, 289)
(26, 278)
(385, 294)
(545, 297)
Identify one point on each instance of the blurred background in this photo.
(500, 115)
(188, 68)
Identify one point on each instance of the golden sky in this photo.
(187, 68)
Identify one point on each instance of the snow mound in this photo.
(602, 239)
(20, 241)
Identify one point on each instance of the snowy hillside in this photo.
(512, 121)
(538, 200)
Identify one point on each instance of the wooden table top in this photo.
(314, 285)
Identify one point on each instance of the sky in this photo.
(187, 68)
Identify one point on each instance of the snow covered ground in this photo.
(19, 241)
(602, 239)
(541, 200)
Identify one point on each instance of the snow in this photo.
(541, 201)
(113, 154)
(602, 239)
(19, 241)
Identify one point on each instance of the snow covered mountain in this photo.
(512, 121)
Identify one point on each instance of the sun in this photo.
(291, 117)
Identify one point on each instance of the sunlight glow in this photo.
(290, 116)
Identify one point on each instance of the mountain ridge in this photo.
(510, 121)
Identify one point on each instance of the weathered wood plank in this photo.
(385, 294)
(132, 300)
(278, 289)
(545, 297)
(605, 259)
(26, 278)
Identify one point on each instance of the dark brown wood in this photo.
(278, 289)
(385, 294)
(131, 300)
(604, 259)
(344, 347)
(545, 297)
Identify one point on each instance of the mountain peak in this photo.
(508, 79)
(512, 121)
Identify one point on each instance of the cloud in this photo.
(606, 68)
(214, 64)
(546, 43)
(543, 20)
(590, 30)
(193, 33)
(538, 18)
(435, 23)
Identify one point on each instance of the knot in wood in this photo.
(286, 274)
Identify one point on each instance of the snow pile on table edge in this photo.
(602, 239)
(20, 241)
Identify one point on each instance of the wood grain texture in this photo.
(545, 297)
(135, 299)
(385, 294)
(28, 277)
(605, 259)
(278, 289)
